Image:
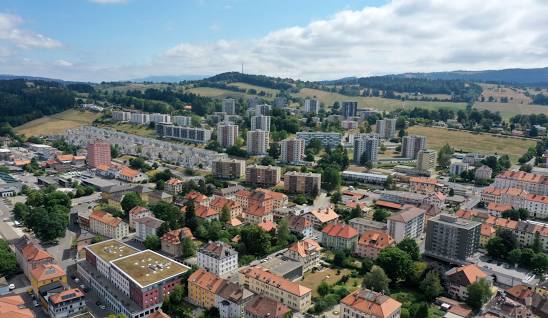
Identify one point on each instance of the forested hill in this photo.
(23, 100)
(259, 80)
(531, 77)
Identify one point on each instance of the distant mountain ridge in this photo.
(520, 76)
(33, 78)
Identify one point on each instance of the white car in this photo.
(12, 286)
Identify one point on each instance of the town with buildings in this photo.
(329, 187)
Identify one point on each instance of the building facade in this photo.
(292, 150)
(426, 160)
(227, 134)
(263, 175)
(105, 224)
(98, 153)
(408, 223)
(299, 182)
(258, 142)
(386, 128)
(366, 148)
(339, 237)
(260, 122)
(218, 258)
(369, 304)
(228, 168)
(411, 145)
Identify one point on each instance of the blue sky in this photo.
(116, 39)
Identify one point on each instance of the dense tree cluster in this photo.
(45, 213)
(22, 100)
(258, 80)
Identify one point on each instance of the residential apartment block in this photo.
(264, 307)
(408, 223)
(227, 134)
(386, 128)
(537, 205)
(69, 303)
(202, 288)
(184, 133)
(263, 282)
(292, 150)
(98, 153)
(307, 252)
(411, 145)
(139, 118)
(229, 106)
(218, 258)
(146, 226)
(301, 182)
(105, 224)
(311, 105)
(366, 148)
(530, 182)
(228, 168)
(427, 160)
(328, 139)
(260, 122)
(171, 241)
(231, 300)
(349, 109)
(263, 175)
(182, 120)
(451, 239)
(160, 118)
(258, 142)
(120, 116)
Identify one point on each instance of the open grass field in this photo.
(214, 92)
(329, 98)
(58, 123)
(130, 86)
(270, 91)
(508, 110)
(139, 130)
(329, 275)
(466, 141)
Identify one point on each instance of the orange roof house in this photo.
(13, 306)
(368, 303)
(372, 242)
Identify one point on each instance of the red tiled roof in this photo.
(174, 236)
(263, 307)
(174, 181)
(304, 247)
(128, 172)
(371, 303)
(205, 212)
(66, 295)
(105, 218)
(423, 180)
(390, 205)
(267, 226)
(47, 271)
(376, 239)
(31, 253)
(471, 271)
(340, 230)
(267, 277)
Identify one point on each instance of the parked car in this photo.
(12, 286)
(103, 307)
(35, 303)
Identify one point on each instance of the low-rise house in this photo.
(424, 185)
(197, 198)
(262, 282)
(218, 258)
(174, 186)
(487, 232)
(13, 306)
(206, 213)
(159, 196)
(30, 255)
(171, 241)
(459, 278)
(300, 225)
(106, 225)
(321, 217)
(370, 304)
(46, 274)
(339, 237)
(219, 203)
(264, 307)
(68, 303)
(371, 242)
(137, 213)
(202, 288)
(279, 200)
(231, 300)
(147, 226)
(258, 214)
(307, 252)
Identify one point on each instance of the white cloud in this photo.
(11, 32)
(63, 63)
(109, 1)
(401, 36)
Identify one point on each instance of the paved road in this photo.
(6, 230)
(87, 199)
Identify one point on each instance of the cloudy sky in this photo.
(96, 40)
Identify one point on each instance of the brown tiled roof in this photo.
(267, 226)
(423, 180)
(523, 176)
(258, 211)
(174, 181)
(387, 204)
(298, 223)
(175, 236)
(220, 202)
(159, 314)
(325, 215)
(195, 196)
(31, 253)
(206, 280)
(267, 277)
(520, 292)
(304, 247)
(67, 295)
(263, 307)
(217, 249)
(138, 210)
(105, 218)
(340, 230)
(471, 272)
(406, 215)
(128, 172)
(13, 306)
(205, 212)
(275, 195)
(47, 272)
(371, 303)
(487, 230)
(376, 239)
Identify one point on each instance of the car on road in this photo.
(35, 303)
(77, 280)
(103, 307)
(12, 286)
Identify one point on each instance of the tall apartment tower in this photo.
(311, 106)
(366, 145)
(349, 108)
(386, 128)
(260, 122)
(227, 134)
(451, 239)
(411, 145)
(258, 142)
(98, 153)
(292, 150)
(426, 160)
(262, 110)
(229, 106)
